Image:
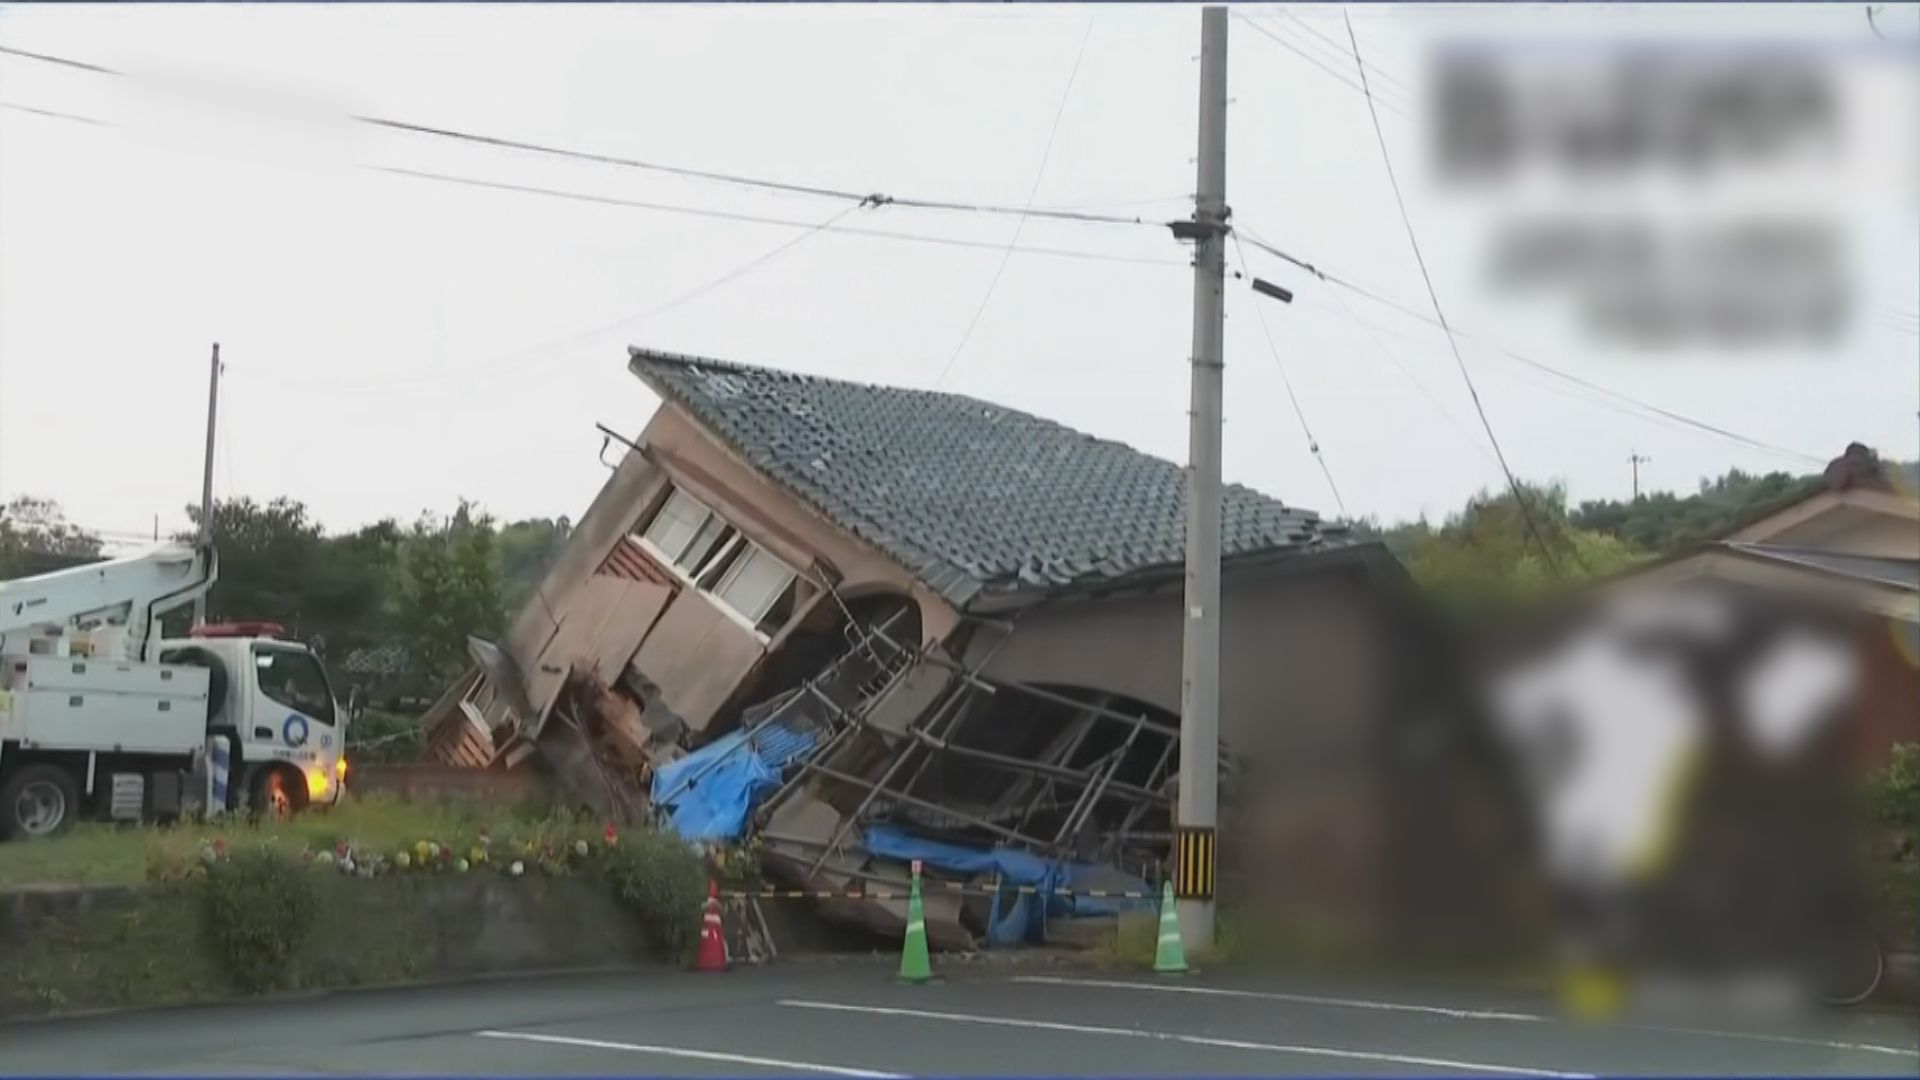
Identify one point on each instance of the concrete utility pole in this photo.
(1200, 685)
(1637, 459)
(206, 477)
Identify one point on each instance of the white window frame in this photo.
(728, 579)
(690, 576)
(706, 515)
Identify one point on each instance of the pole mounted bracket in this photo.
(1192, 230)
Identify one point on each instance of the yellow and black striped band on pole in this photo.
(1193, 859)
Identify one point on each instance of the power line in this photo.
(764, 219)
(1341, 309)
(677, 208)
(1394, 359)
(1338, 76)
(552, 350)
(1377, 297)
(55, 114)
(1039, 174)
(685, 172)
(1342, 50)
(1313, 444)
(708, 286)
(1513, 485)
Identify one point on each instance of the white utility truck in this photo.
(100, 718)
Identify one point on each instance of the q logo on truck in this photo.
(294, 731)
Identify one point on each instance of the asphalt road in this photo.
(841, 1020)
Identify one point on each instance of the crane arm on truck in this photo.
(118, 602)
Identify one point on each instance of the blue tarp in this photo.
(1014, 918)
(709, 794)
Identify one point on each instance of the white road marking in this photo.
(1192, 1040)
(1457, 1014)
(1301, 999)
(697, 1055)
(1790, 1040)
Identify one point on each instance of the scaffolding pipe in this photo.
(1083, 726)
(914, 800)
(780, 710)
(958, 694)
(1083, 777)
(1155, 779)
(1094, 794)
(1042, 694)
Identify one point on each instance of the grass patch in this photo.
(104, 854)
(89, 854)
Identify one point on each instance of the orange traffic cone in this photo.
(713, 942)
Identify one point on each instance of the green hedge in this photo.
(261, 916)
(664, 882)
(1893, 792)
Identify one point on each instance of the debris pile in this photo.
(891, 751)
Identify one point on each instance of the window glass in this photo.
(703, 544)
(724, 555)
(293, 678)
(753, 583)
(680, 519)
(780, 611)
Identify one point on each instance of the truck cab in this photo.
(271, 699)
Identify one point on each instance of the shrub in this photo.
(385, 737)
(257, 906)
(661, 879)
(737, 866)
(1893, 792)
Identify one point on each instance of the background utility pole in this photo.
(1637, 459)
(206, 478)
(1200, 685)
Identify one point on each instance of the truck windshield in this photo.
(294, 679)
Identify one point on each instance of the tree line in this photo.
(393, 604)
(1496, 553)
(386, 605)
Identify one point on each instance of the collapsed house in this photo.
(866, 625)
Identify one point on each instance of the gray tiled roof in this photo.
(976, 499)
(1901, 573)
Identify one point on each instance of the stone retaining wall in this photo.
(72, 948)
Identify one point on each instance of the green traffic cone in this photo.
(914, 964)
(1169, 958)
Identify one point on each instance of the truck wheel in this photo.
(38, 801)
(277, 794)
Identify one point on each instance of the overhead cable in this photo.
(1337, 75)
(1348, 284)
(686, 172)
(1039, 174)
(678, 208)
(1513, 485)
(1379, 71)
(1313, 444)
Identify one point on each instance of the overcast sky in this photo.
(394, 343)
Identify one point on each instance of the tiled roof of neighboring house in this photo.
(976, 499)
(1900, 573)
